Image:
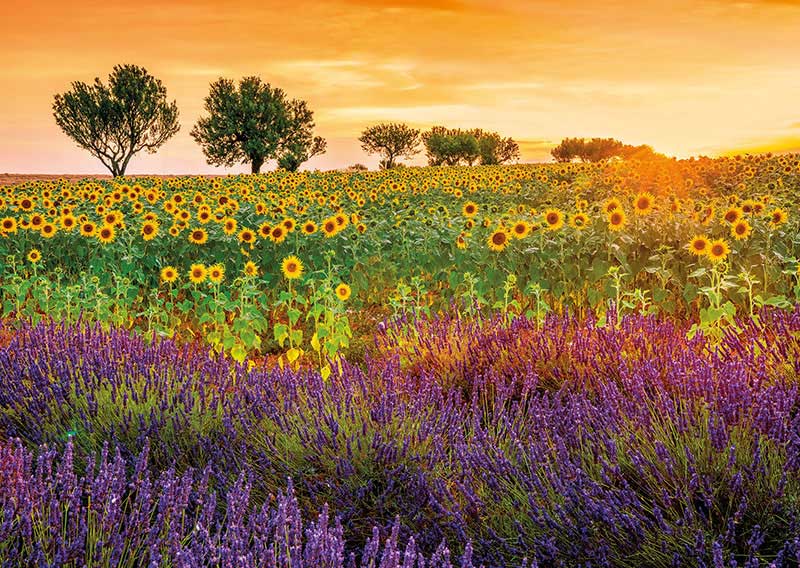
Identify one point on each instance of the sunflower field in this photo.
(580, 364)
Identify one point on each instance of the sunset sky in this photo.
(685, 77)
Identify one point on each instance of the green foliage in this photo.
(118, 120)
(598, 149)
(390, 140)
(255, 123)
(453, 146)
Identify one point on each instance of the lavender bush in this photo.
(560, 444)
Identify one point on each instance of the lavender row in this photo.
(564, 443)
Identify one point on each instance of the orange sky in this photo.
(686, 77)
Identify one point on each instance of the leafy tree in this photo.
(598, 149)
(255, 123)
(391, 140)
(118, 120)
(568, 149)
(453, 146)
(495, 149)
(299, 143)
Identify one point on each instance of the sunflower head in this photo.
(718, 250)
(579, 221)
(292, 268)
(778, 217)
(343, 292)
(554, 219)
(643, 203)
(34, 256)
(499, 239)
(198, 236)
(216, 273)
(149, 230)
(616, 219)
(741, 229)
(250, 268)
(106, 234)
(699, 245)
(169, 274)
(520, 229)
(197, 273)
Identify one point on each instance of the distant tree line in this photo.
(252, 122)
(443, 146)
(597, 149)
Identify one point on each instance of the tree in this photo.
(244, 124)
(598, 149)
(299, 143)
(391, 140)
(495, 149)
(567, 150)
(453, 146)
(507, 151)
(118, 120)
(255, 123)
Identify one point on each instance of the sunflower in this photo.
(250, 268)
(34, 256)
(718, 250)
(778, 217)
(247, 236)
(197, 273)
(554, 219)
(741, 229)
(343, 292)
(149, 230)
(579, 221)
(277, 234)
(498, 240)
(617, 219)
(88, 229)
(198, 236)
(611, 204)
(309, 227)
(48, 230)
(329, 227)
(470, 209)
(169, 274)
(216, 273)
(106, 234)
(25, 204)
(229, 226)
(643, 203)
(461, 241)
(699, 245)
(520, 229)
(732, 215)
(292, 267)
(8, 225)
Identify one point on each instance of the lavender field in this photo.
(457, 443)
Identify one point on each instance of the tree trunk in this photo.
(255, 165)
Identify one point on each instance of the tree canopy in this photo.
(253, 123)
(390, 140)
(597, 149)
(114, 122)
(453, 146)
